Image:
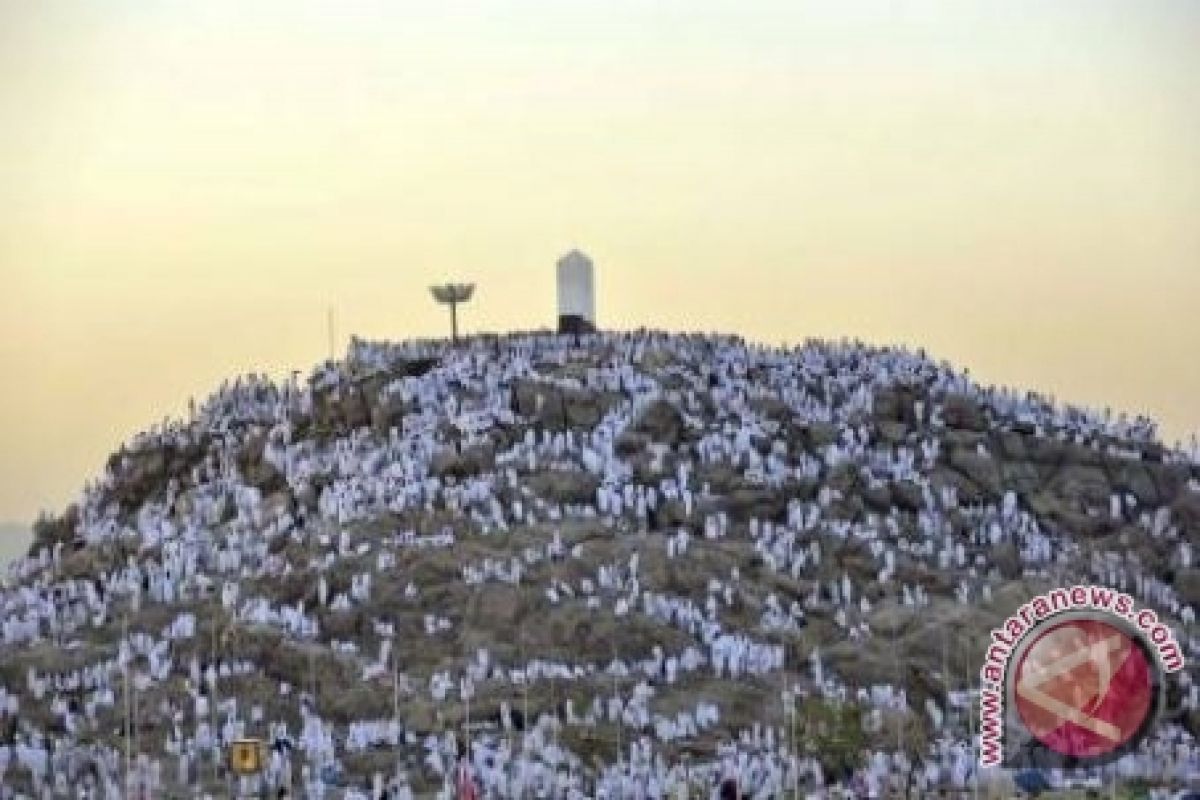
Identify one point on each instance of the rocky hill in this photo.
(602, 557)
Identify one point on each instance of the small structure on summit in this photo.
(576, 294)
(451, 294)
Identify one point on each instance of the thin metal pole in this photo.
(395, 689)
(454, 321)
(137, 744)
(899, 685)
(795, 755)
(787, 702)
(524, 691)
(212, 713)
(128, 731)
(946, 680)
(792, 738)
(620, 732)
(975, 767)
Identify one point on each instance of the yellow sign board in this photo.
(246, 756)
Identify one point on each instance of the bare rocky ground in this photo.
(1065, 484)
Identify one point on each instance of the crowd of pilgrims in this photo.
(209, 535)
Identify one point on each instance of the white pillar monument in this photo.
(576, 294)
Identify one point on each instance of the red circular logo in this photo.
(1084, 688)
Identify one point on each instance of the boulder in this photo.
(968, 490)
(963, 412)
(1043, 450)
(1007, 560)
(982, 470)
(1085, 486)
(141, 474)
(747, 502)
(338, 410)
(907, 496)
(1135, 478)
(893, 432)
(50, 530)
(1187, 584)
(277, 504)
(1010, 445)
(631, 443)
(886, 405)
(1191, 723)
(556, 407)
(1066, 517)
(844, 478)
(1022, 477)
(1186, 509)
(878, 498)
(821, 434)
(387, 412)
(257, 472)
(563, 486)
(661, 422)
(450, 462)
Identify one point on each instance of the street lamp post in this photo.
(451, 294)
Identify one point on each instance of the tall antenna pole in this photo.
(451, 294)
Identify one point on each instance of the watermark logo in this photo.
(1084, 688)
(1075, 677)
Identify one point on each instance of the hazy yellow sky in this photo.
(185, 187)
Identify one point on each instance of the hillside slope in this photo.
(613, 556)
